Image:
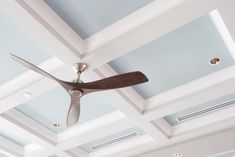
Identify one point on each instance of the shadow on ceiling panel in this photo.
(14, 136)
(14, 39)
(52, 107)
(87, 17)
(176, 58)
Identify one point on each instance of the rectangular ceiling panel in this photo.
(87, 17)
(18, 41)
(176, 58)
(52, 108)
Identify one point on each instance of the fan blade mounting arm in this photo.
(74, 111)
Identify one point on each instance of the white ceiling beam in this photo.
(12, 92)
(30, 125)
(199, 147)
(55, 22)
(75, 141)
(174, 141)
(157, 20)
(11, 146)
(43, 32)
(191, 94)
(90, 136)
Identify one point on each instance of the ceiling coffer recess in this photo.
(206, 111)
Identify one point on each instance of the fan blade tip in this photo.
(12, 55)
(144, 77)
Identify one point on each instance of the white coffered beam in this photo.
(70, 143)
(35, 138)
(13, 148)
(44, 33)
(156, 22)
(130, 103)
(194, 93)
(114, 44)
(197, 147)
(11, 94)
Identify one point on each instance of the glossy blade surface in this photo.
(74, 111)
(118, 81)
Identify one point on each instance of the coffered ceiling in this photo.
(171, 41)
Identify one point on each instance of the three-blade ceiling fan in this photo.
(77, 88)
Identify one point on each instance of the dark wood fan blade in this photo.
(74, 111)
(32, 67)
(40, 71)
(118, 81)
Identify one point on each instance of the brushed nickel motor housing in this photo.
(80, 67)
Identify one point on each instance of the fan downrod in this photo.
(79, 68)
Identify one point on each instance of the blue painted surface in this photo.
(14, 136)
(177, 58)
(14, 39)
(87, 17)
(53, 106)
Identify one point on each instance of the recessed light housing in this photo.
(56, 125)
(27, 95)
(215, 60)
(177, 155)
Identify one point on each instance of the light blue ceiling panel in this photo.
(13, 39)
(52, 107)
(177, 58)
(14, 136)
(87, 17)
(203, 109)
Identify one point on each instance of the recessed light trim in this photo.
(56, 125)
(214, 60)
(27, 95)
(177, 155)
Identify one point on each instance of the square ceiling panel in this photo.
(52, 107)
(87, 17)
(15, 40)
(14, 136)
(201, 110)
(176, 58)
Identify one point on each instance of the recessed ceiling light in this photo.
(27, 95)
(215, 60)
(56, 125)
(177, 155)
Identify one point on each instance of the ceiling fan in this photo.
(76, 89)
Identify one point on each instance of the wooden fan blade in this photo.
(32, 67)
(118, 81)
(66, 85)
(74, 111)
